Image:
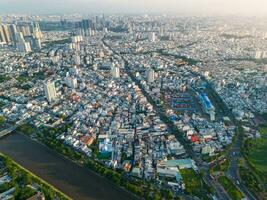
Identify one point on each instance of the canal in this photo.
(76, 181)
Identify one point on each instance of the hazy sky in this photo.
(248, 7)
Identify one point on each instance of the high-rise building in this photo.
(150, 75)
(77, 39)
(37, 43)
(13, 32)
(258, 54)
(50, 91)
(26, 31)
(71, 82)
(115, 71)
(2, 36)
(22, 36)
(77, 59)
(22, 45)
(85, 25)
(152, 37)
(5, 34)
(27, 47)
(36, 32)
(264, 54)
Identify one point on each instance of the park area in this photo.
(256, 153)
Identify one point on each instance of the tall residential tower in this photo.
(50, 91)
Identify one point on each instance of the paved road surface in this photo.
(235, 154)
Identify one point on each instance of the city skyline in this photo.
(133, 99)
(208, 7)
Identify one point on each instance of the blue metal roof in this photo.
(206, 101)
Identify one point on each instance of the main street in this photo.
(234, 155)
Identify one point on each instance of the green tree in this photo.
(157, 196)
(2, 120)
(24, 193)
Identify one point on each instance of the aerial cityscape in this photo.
(121, 100)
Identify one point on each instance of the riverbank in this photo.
(135, 187)
(74, 180)
(16, 171)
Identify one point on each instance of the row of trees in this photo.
(249, 179)
(231, 189)
(136, 186)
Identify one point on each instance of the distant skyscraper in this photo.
(27, 46)
(37, 43)
(13, 32)
(85, 26)
(77, 59)
(86, 23)
(264, 54)
(26, 31)
(23, 36)
(4, 34)
(152, 37)
(37, 33)
(50, 91)
(258, 54)
(150, 75)
(22, 45)
(77, 39)
(115, 71)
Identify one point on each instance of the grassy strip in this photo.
(230, 188)
(250, 180)
(49, 191)
(255, 154)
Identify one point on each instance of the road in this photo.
(233, 171)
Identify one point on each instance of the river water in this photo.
(76, 181)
